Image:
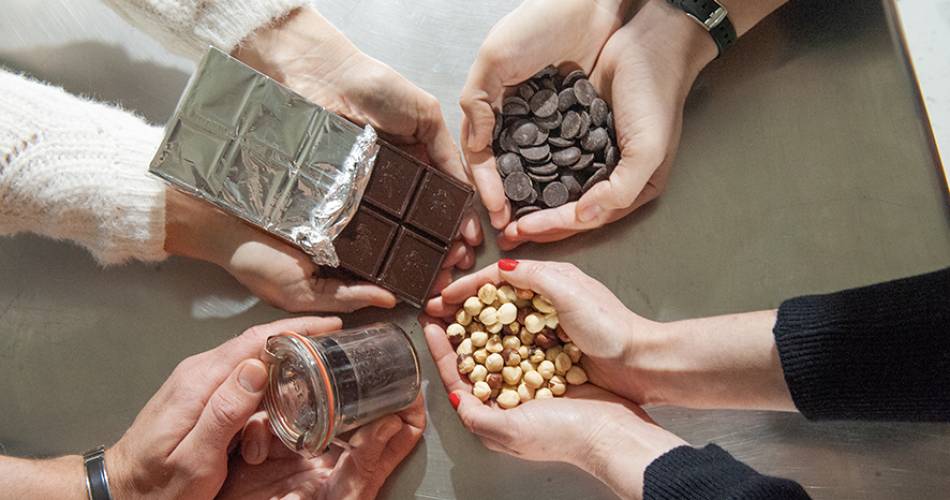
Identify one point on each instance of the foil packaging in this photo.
(257, 150)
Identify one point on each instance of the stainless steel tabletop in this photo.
(804, 167)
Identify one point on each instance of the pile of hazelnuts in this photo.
(511, 347)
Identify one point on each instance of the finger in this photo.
(436, 307)
(623, 187)
(440, 147)
(489, 185)
(368, 442)
(559, 282)
(445, 358)
(415, 414)
(483, 89)
(471, 229)
(226, 412)
(256, 439)
(512, 237)
(336, 295)
(442, 280)
(468, 260)
(468, 285)
(454, 255)
(482, 420)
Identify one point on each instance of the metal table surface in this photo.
(804, 167)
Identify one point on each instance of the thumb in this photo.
(620, 191)
(227, 410)
(556, 281)
(483, 88)
(483, 421)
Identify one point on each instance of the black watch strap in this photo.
(97, 481)
(713, 17)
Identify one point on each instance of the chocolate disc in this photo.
(599, 175)
(573, 77)
(595, 140)
(571, 125)
(542, 178)
(549, 122)
(584, 161)
(610, 122)
(541, 138)
(566, 100)
(612, 156)
(507, 143)
(573, 187)
(546, 169)
(598, 112)
(548, 83)
(555, 194)
(536, 154)
(525, 210)
(565, 157)
(514, 106)
(518, 186)
(543, 103)
(499, 123)
(560, 142)
(524, 133)
(547, 72)
(525, 91)
(585, 124)
(585, 91)
(509, 163)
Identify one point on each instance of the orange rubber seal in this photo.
(325, 375)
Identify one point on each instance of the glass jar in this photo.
(322, 386)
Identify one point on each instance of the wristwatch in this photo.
(713, 17)
(97, 481)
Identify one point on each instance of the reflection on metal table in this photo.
(821, 178)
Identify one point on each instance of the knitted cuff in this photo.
(880, 352)
(188, 27)
(711, 472)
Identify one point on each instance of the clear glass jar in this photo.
(322, 386)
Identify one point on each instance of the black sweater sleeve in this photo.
(880, 352)
(711, 472)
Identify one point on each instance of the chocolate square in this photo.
(394, 180)
(364, 243)
(413, 265)
(437, 209)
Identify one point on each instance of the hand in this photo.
(178, 444)
(590, 428)
(280, 274)
(310, 56)
(531, 37)
(267, 469)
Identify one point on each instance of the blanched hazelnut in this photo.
(558, 385)
(542, 304)
(576, 375)
(537, 356)
(455, 332)
(526, 337)
(551, 321)
(546, 369)
(533, 379)
(506, 294)
(507, 313)
(552, 353)
(478, 374)
(487, 293)
(513, 328)
(472, 306)
(526, 366)
(466, 364)
(511, 342)
(573, 351)
(524, 294)
(496, 328)
(543, 393)
(523, 351)
(479, 339)
(495, 363)
(512, 358)
(525, 393)
(508, 399)
(495, 381)
(480, 356)
(534, 323)
(463, 318)
(488, 316)
(562, 363)
(511, 374)
(474, 326)
(494, 344)
(465, 348)
(481, 391)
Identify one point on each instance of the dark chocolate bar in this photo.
(407, 219)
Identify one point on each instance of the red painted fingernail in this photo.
(507, 264)
(454, 399)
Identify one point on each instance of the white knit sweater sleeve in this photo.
(188, 27)
(77, 170)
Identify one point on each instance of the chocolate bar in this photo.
(404, 226)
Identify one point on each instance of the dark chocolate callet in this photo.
(566, 100)
(612, 157)
(560, 142)
(546, 169)
(543, 103)
(525, 210)
(518, 186)
(584, 91)
(549, 122)
(573, 187)
(514, 106)
(566, 157)
(555, 194)
(542, 178)
(536, 154)
(596, 140)
(598, 112)
(584, 161)
(573, 77)
(524, 133)
(571, 125)
(599, 175)
(509, 163)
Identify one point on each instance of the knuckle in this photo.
(225, 410)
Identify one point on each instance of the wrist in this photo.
(670, 33)
(191, 226)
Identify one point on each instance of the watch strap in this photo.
(97, 480)
(713, 17)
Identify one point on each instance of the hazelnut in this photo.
(463, 318)
(558, 385)
(523, 351)
(478, 374)
(552, 353)
(465, 348)
(472, 306)
(526, 366)
(562, 335)
(480, 356)
(534, 323)
(466, 364)
(546, 369)
(511, 356)
(495, 363)
(537, 356)
(481, 391)
(546, 340)
(522, 314)
(455, 332)
(508, 399)
(507, 313)
(573, 351)
(487, 293)
(542, 305)
(551, 321)
(488, 316)
(543, 393)
(494, 344)
(511, 342)
(533, 379)
(479, 339)
(511, 374)
(562, 363)
(506, 294)
(474, 326)
(525, 393)
(496, 328)
(576, 375)
(495, 381)
(526, 337)
(524, 294)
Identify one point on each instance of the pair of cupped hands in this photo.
(644, 67)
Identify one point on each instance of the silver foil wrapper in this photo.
(261, 152)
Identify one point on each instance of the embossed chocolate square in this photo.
(408, 217)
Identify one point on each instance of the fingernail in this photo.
(507, 264)
(252, 377)
(589, 213)
(454, 400)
